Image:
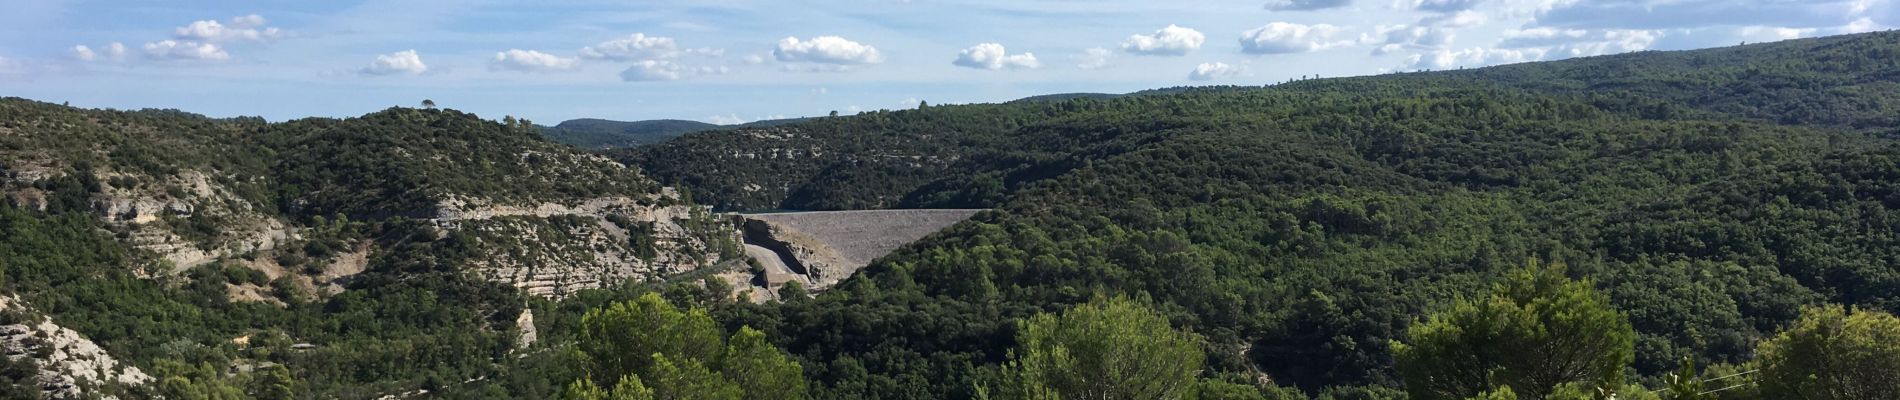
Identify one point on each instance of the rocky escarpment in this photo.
(71, 367)
(554, 250)
(820, 249)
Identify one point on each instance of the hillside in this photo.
(604, 134)
(600, 134)
(1281, 242)
(1302, 228)
(163, 236)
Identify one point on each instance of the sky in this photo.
(732, 61)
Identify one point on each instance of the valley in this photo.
(1662, 218)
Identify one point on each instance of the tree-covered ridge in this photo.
(604, 134)
(404, 161)
(965, 155)
(1303, 228)
(238, 258)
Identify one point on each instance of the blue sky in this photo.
(731, 61)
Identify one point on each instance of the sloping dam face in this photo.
(821, 248)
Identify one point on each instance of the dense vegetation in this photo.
(1334, 239)
(1302, 228)
(415, 318)
(600, 134)
(605, 134)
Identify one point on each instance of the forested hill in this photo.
(968, 156)
(604, 134)
(1302, 229)
(600, 134)
(336, 258)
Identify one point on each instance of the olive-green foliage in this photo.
(1314, 221)
(1685, 384)
(1108, 349)
(1833, 353)
(681, 354)
(1536, 331)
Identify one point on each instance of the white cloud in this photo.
(1093, 58)
(1389, 39)
(1170, 41)
(639, 46)
(1283, 37)
(826, 50)
(185, 50)
(249, 28)
(1445, 6)
(754, 59)
(1305, 5)
(663, 70)
(529, 60)
(1211, 71)
(992, 56)
(1472, 57)
(401, 62)
(735, 119)
(114, 51)
(1461, 19)
(1861, 25)
(1779, 33)
(1567, 43)
(1696, 14)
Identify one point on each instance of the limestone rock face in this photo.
(554, 250)
(71, 367)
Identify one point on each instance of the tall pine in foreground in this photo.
(647, 348)
(1111, 349)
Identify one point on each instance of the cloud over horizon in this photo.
(992, 56)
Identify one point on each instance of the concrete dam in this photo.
(818, 249)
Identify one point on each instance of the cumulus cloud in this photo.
(1283, 37)
(663, 70)
(1445, 6)
(249, 28)
(1389, 39)
(1093, 58)
(826, 50)
(405, 62)
(1211, 71)
(114, 51)
(1459, 19)
(1472, 57)
(1566, 43)
(992, 56)
(639, 46)
(184, 50)
(528, 61)
(1170, 41)
(735, 119)
(1305, 5)
(1689, 14)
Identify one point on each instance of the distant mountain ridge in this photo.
(602, 134)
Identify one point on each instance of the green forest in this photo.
(1709, 224)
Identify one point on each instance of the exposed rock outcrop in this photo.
(71, 366)
(554, 250)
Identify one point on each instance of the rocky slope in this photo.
(70, 365)
(292, 201)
